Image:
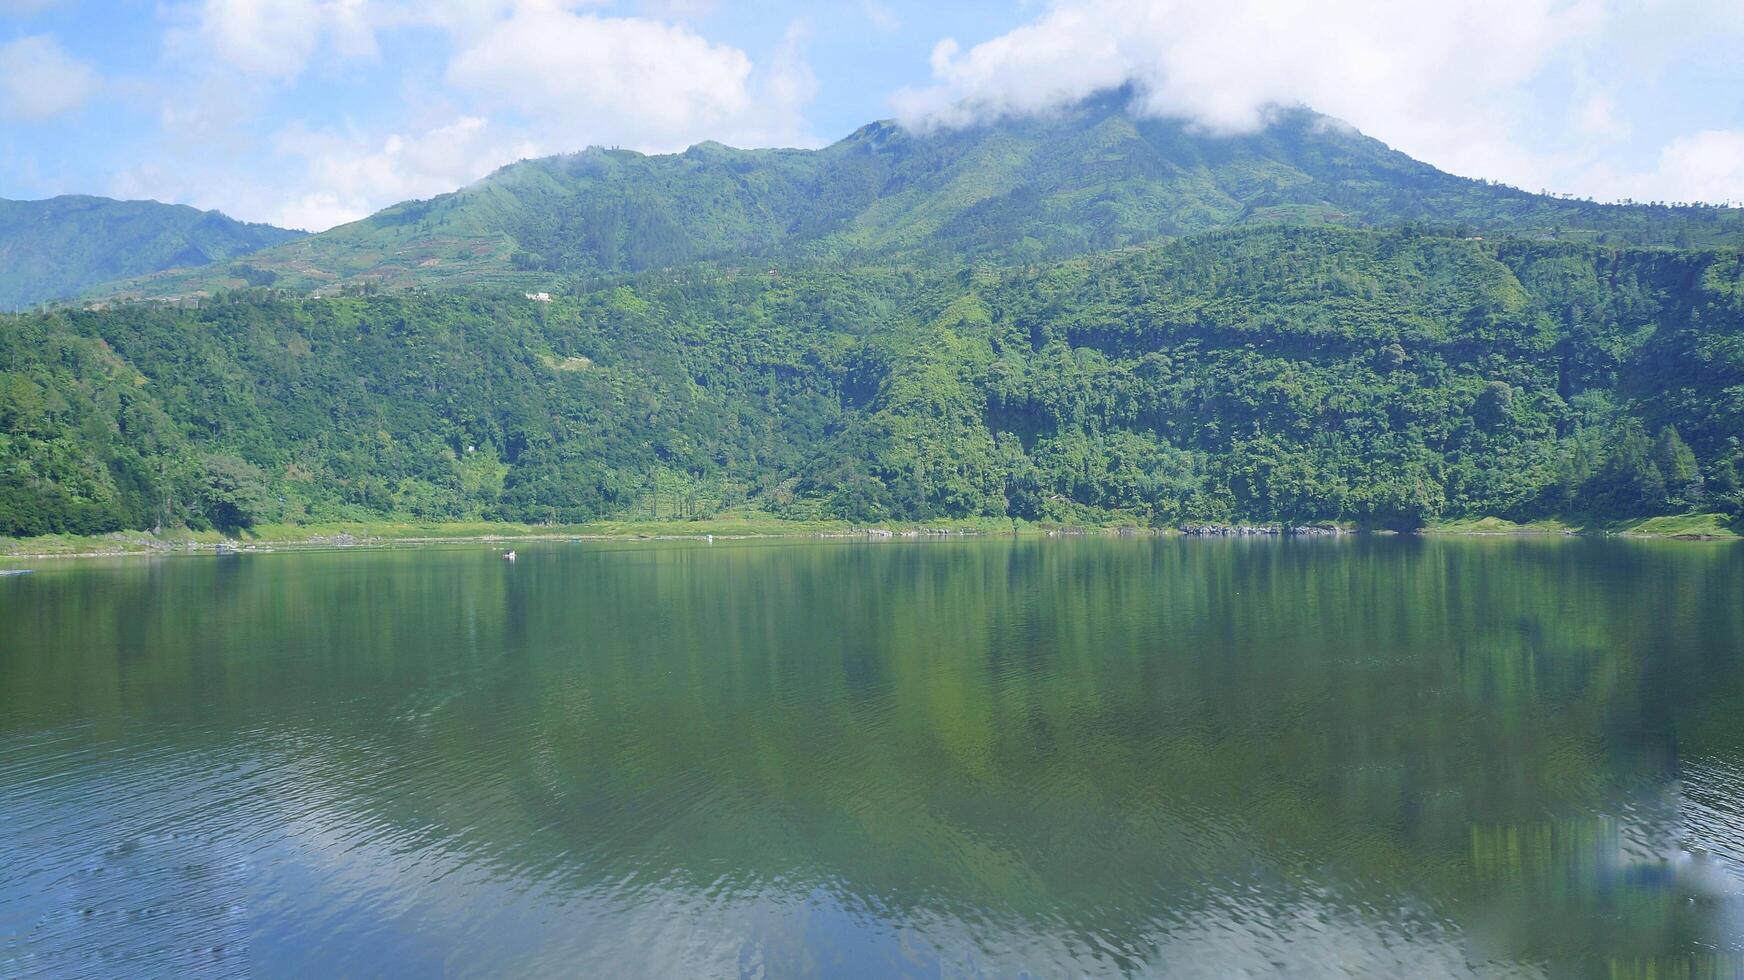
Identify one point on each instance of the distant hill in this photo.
(1088, 179)
(59, 248)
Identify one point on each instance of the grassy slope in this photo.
(1690, 526)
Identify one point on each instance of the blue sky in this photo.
(312, 112)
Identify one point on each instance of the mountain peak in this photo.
(1096, 175)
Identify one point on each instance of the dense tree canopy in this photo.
(1278, 373)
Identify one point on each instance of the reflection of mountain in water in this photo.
(1073, 757)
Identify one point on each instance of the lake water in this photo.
(1047, 758)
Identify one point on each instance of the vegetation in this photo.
(1022, 191)
(1292, 374)
(59, 248)
(1086, 317)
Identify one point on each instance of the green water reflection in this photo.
(995, 757)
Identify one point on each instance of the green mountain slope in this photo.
(1021, 191)
(59, 248)
(1271, 373)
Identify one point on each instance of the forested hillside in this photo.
(59, 248)
(1270, 373)
(1021, 191)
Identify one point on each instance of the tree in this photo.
(1267, 374)
(1677, 464)
(1491, 408)
(233, 492)
(1727, 488)
(1628, 483)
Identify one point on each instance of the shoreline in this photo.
(386, 536)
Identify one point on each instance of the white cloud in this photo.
(276, 38)
(1700, 167)
(554, 64)
(881, 16)
(1448, 81)
(39, 79)
(1596, 117)
(522, 78)
(1706, 166)
(678, 8)
(349, 177)
(787, 87)
(1222, 63)
(329, 177)
(581, 78)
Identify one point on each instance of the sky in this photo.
(311, 113)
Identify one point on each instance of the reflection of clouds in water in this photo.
(496, 926)
(1687, 834)
(385, 886)
(301, 873)
(390, 885)
(1712, 809)
(1308, 937)
(1233, 935)
(308, 869)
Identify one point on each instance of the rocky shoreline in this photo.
(1264, 531)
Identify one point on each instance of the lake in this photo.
(1382, 756)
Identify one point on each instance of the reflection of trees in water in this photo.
(1093, 739)
(1200, 718)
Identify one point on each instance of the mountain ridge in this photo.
(60, 247)
(1082, 318)
(1090, 178)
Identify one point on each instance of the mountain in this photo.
(1389, 377)
(59, 248)
(1087, 179)
(1081, 317)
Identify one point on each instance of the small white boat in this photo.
(510, 556)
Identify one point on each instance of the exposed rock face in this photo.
(1317, 531)
(1229, 531)
(1262, 531)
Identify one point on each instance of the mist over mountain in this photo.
(58, 248)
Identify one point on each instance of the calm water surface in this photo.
(1044, 758)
